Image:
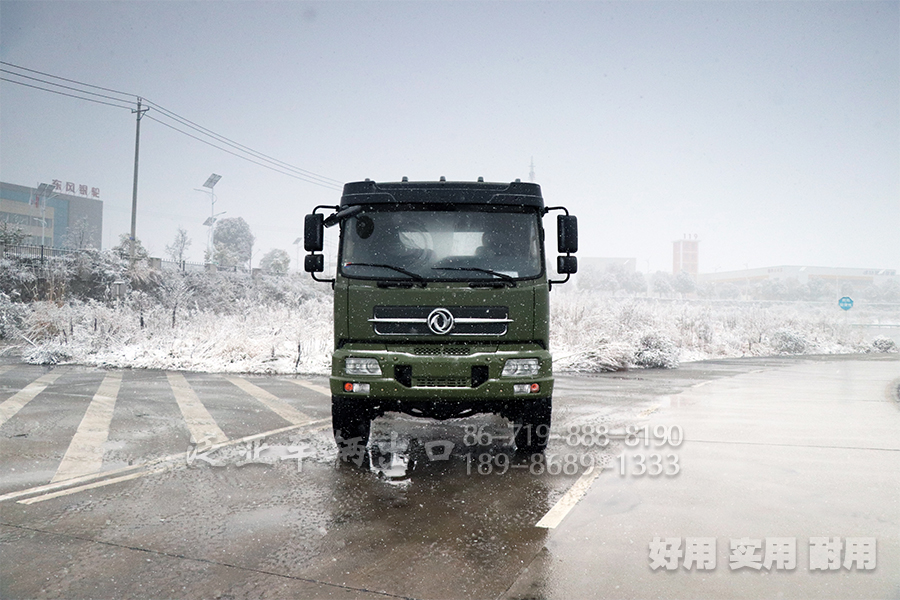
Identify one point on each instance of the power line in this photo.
(97, 87)
(274, 164)
(208, 143)
(67, 87)
(241, 147)
(63, 93)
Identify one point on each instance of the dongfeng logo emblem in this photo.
(440, 321)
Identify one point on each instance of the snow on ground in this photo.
(589, 333)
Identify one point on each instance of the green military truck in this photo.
(441, 303)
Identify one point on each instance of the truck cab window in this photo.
(427, 241)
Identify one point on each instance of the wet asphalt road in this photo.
(158, 485)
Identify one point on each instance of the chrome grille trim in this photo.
(413, 320)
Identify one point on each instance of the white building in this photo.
(836, 275)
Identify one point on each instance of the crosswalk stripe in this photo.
(85, 453)
(5, 368)
(17, 401)
(311, 386)
(274, 403)
(200, 423)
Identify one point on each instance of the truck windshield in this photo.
(445, 243)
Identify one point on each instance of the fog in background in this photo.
(769, 129)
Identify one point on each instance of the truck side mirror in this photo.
(567, 234)
(313, 234)
(315, 263)
(566, 265)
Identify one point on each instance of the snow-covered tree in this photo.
(123, 249)
(10, 235)
(662, 283)
(634, 283)
(683, 283)
(608, 282)
(819, 289)
(275, 261)
(174, 290)
(81, 235)
(729, 291)
(232, 242)
(179, 245)
(890, 291)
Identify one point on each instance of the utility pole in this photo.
(137, 147)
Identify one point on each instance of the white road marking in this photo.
(565, 504)
(200, 423)
(5, 368)
(17, 401)
(311, 386)
(174, 460)
(91, 486)
(85, 453)
(274, 403)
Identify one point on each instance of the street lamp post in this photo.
(297, 243)
(43, 193)
(211, 182)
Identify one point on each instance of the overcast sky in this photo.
(769, 129)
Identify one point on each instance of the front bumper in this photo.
(448, 373)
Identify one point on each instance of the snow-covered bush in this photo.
(11, 316)
(884, 344)
(656, 351)
(788, 341)
(47, 354)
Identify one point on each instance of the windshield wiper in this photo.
(414, 276)
(506, 278)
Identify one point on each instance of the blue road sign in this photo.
(846, 303)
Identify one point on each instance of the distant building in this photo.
(686, 256)
(55, 219)
(629, 265)
(801, 274)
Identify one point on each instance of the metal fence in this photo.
(40, 254)
(34, 252)
(183, 266)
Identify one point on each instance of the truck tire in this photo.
(533, 421)
(350, 423)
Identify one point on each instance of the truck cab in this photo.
(441, 303)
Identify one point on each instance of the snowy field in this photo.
(590, 332)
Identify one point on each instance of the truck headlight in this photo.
(362, 366)
(521, 367)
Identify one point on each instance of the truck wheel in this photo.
(350, 422)
(533, 421)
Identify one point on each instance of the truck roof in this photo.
(516, 193)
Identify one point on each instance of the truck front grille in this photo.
(442, 350)
(435, 320)
(455, 382)
(403, 374)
